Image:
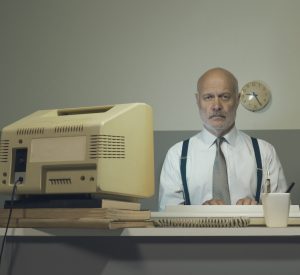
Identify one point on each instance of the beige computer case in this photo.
(97, 150)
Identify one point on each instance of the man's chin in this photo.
(215, 128)
(218, 126)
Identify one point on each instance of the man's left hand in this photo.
(246, 201)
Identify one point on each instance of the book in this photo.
(217, 216)
(92, 223)
(76, 213)
(257, 221)
(220, 210)
(107, 203)
(216, 221)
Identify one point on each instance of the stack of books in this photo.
(113, 214)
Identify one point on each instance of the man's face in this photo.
(217, 102)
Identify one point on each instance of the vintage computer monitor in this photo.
(105, 150)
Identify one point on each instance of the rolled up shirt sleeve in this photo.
(274, 167)
(170, 189)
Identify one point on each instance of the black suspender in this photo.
(258, 167)
(184, 151)
(186, 195)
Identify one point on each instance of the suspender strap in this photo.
(259, 167)
(184, 151)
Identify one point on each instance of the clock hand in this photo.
(256, 97)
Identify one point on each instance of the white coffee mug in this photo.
(276, 208)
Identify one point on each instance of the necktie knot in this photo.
(219, 141)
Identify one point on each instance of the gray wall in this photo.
(69, 53)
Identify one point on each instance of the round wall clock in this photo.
(255, 95)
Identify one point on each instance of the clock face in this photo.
(255, 96)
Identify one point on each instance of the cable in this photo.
(20, 179)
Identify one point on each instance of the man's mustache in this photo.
(217, 115)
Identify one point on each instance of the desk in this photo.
(253, 250)
(293, 231)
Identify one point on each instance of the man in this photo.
(217, 100)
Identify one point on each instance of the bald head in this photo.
(218, 74)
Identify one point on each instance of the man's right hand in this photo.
(214, 202)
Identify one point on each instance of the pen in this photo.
(268, 183)
(290, 188)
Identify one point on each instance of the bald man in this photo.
(217, 99)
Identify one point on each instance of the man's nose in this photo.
(217, 105)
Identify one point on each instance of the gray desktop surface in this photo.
(151, 255)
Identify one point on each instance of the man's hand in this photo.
(214, 202)
(246, 201)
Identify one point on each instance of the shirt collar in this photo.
(209, 138)
(231, 136)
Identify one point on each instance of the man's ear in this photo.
(197, 98)
(239, 97)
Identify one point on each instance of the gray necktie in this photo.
(220, 181)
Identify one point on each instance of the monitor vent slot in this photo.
(68, 129)
(60, 181)
(107, 146)
(30, 131)
(4, 147)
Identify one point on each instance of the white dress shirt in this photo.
(241, 169)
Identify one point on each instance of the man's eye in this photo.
(225, 97)
(207, 97)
